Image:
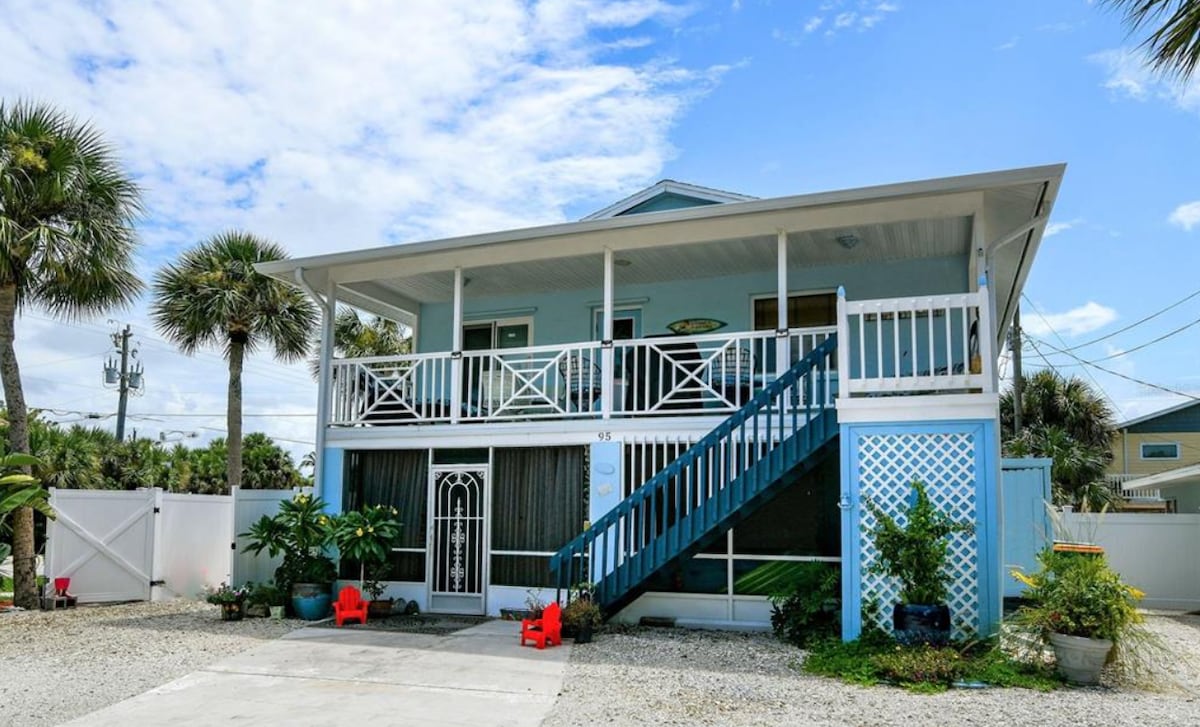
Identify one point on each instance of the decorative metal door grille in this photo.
(458, 531)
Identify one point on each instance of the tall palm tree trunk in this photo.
(24, 554)
(233, 410)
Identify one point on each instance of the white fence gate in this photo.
(150, 545)
(1154, 552)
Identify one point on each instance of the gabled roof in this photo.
(668, 187)
(1160, 413)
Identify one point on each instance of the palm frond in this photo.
(1173, 45)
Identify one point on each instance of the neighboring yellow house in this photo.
(1158, 456)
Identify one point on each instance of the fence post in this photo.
(156, 576)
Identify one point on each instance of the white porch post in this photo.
(324, 383)
(782, 339)
(843, 345)
(456, 362)
(606, 340)
(987, 337)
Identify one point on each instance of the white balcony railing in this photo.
(925, 344)
(668, 376)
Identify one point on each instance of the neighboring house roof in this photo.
(1183, 417)
(1181, 476)
(667, 194)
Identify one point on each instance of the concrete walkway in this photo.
(315, 676)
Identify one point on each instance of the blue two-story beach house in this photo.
(683, 389)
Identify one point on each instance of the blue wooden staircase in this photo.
(784, 431)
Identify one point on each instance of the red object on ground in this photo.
(350, 605)
(61, 585)
(547, 629)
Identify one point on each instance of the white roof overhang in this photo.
(398, 278)
(1182, 476)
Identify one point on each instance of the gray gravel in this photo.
(58, 665)
(677, 677)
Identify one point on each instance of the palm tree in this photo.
(1065, 420)
(1174, 46)
(66, 245)
(354, 338)
(213, 297)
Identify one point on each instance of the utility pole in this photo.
(123, 378)
(1018, 382)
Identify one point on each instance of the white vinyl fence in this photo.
(1154, 552)
(152, 545)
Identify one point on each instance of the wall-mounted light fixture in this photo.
(848, 241)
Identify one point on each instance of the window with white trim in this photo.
(1160, 450)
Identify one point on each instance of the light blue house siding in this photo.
(567, 316)
(958, 461)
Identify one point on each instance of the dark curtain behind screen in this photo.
(398, 479)
(538, 504)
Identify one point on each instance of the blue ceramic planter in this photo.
(921, 624)
(310, 601)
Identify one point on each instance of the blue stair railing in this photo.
(782, 431)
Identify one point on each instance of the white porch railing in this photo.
(670, 376)
(925, 344)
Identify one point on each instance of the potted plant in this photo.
(264, 599)
(915, 553)
(368, 536)
(373, 587)
(580, 618)
(300, 531)
(1081, 606)
(231, 600)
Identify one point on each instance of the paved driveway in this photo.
(479, 676)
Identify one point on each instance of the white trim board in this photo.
(919, 408)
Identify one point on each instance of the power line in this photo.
(1135, 324)
(1116, 407)
(1115, 373)
(1163, 337)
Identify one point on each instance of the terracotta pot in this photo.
(1079, 658)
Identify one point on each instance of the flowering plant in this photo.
(367, 535)
(1078, 595)
(224, 593)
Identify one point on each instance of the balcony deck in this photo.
(887, 347)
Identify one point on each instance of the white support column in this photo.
(783, 356)
(986, 334)
(324, 381)
(456, 362)
(607, 366)
(843, 346)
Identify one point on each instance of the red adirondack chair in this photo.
(547, 629)
(350, 605)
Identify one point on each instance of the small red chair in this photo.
(547, 629)
(350, 605)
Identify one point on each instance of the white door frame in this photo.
(452, 603)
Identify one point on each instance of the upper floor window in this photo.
(807, 310)
(1160, 450)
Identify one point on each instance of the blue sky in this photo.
(332, 126)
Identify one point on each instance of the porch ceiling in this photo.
(932, 237)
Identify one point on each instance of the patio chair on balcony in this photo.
(733, 373)
(582, 379)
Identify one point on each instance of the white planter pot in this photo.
(1080, 659)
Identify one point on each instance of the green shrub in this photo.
(915, 553)
(920, 665)
(1078, 595)
(810, 609)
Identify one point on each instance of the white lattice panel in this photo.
(888, 464)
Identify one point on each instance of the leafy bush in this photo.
(877, 658)
(811, 608)
(1078, 595)
(225, 593)
(915, 553)
(367, 536)
(265, 594)
(579, 612)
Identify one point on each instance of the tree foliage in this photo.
(354, 337)
(1173, 44)
(1065, 420)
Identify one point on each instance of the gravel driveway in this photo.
(677, 677)
(57, 665)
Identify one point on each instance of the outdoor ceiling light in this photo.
(848, 241)
(622, 262)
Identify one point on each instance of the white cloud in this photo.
(1129, 76)
(838, 16)
(1055, 228)
(1186, 215)
(1077, 321)
(331, 126)
(1009, 44)
(812, 24)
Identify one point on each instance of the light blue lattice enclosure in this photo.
(888, 463)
